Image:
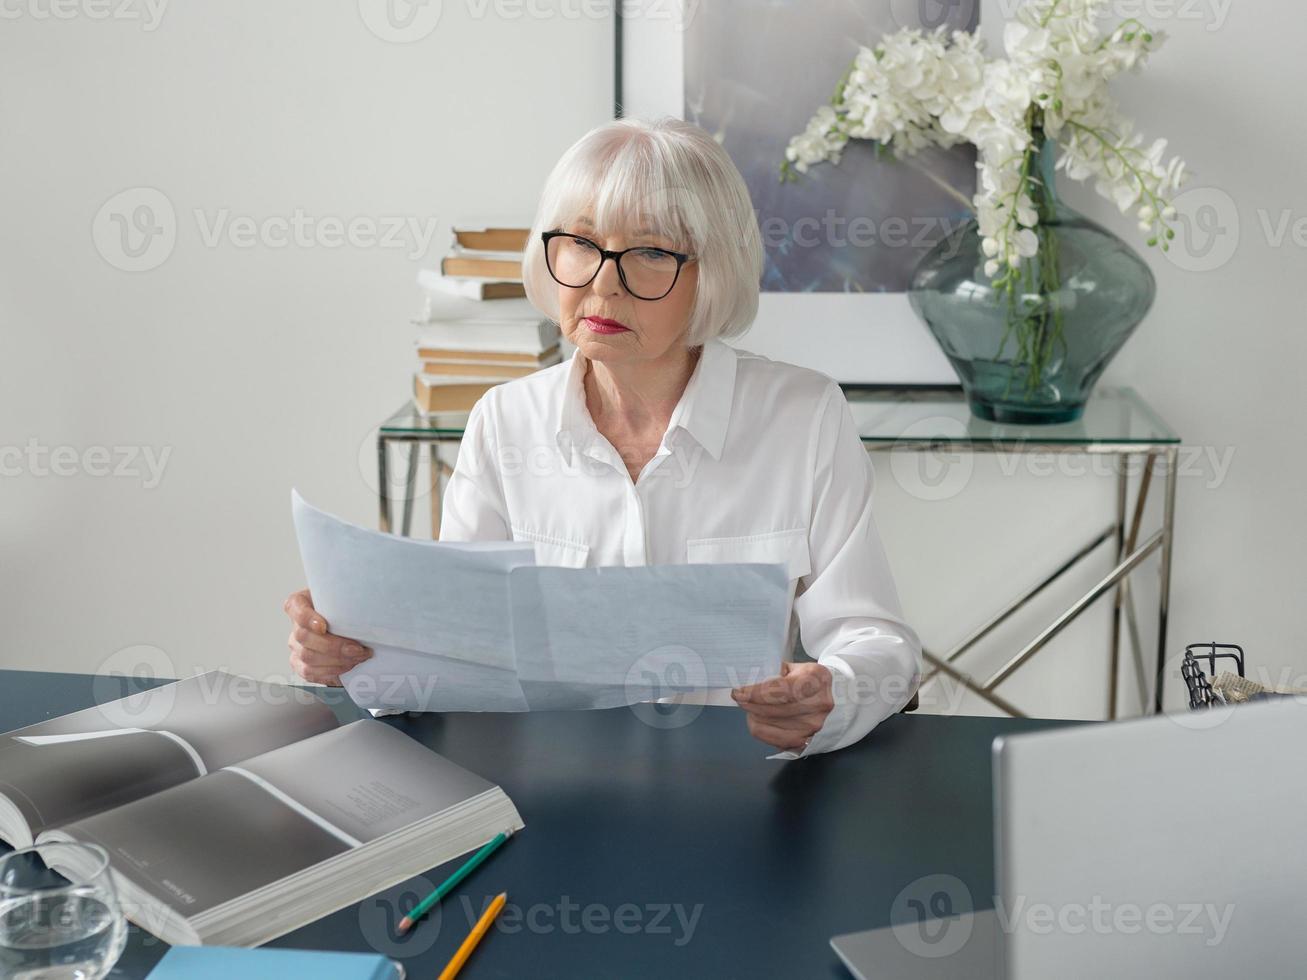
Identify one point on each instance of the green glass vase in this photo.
(1032, 354)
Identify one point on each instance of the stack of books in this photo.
(477, 328)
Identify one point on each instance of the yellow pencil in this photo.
(473, 937)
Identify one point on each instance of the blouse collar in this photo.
(704, 410)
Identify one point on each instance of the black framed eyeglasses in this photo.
(647, 273)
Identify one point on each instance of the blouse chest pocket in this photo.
(553, 550)
(789, 547)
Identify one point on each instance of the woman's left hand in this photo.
(786, 711)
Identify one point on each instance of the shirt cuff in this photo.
(839, 719)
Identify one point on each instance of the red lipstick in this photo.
(601, 324)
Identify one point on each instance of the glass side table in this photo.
(930, 418)
(409, 427)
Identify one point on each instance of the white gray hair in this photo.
(672, 177)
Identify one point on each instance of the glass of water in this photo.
(59, 913)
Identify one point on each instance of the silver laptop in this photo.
(1162, 847)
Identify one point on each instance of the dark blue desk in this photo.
(630, 829)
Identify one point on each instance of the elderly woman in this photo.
(657, 443)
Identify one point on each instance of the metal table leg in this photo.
(976, 635)
(1114, 667)
(1164, 574)
(1123, 595)
(1130, 553)
(409, 479)
(436, 466)
(1142, 684)
(383, 483)
(943, 667)
(439, 469)
(1123, 569)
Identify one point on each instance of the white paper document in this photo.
(478, 626)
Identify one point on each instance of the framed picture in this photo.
(842, 241)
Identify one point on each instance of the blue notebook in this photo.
(226, 962)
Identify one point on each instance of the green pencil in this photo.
(424, 906)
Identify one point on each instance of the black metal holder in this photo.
(1201, 694)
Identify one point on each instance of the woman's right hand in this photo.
(316, 655)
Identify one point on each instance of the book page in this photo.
(82, 763)
(366, 779)
(206, 841)
(215, 839)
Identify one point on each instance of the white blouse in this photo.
(761, 462)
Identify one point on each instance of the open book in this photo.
(235, 811)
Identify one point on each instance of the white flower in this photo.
(817, 143)
(916, 89)
(1025, 43)
(1125, 195)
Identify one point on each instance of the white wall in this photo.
(258, 368)
(261, 368)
